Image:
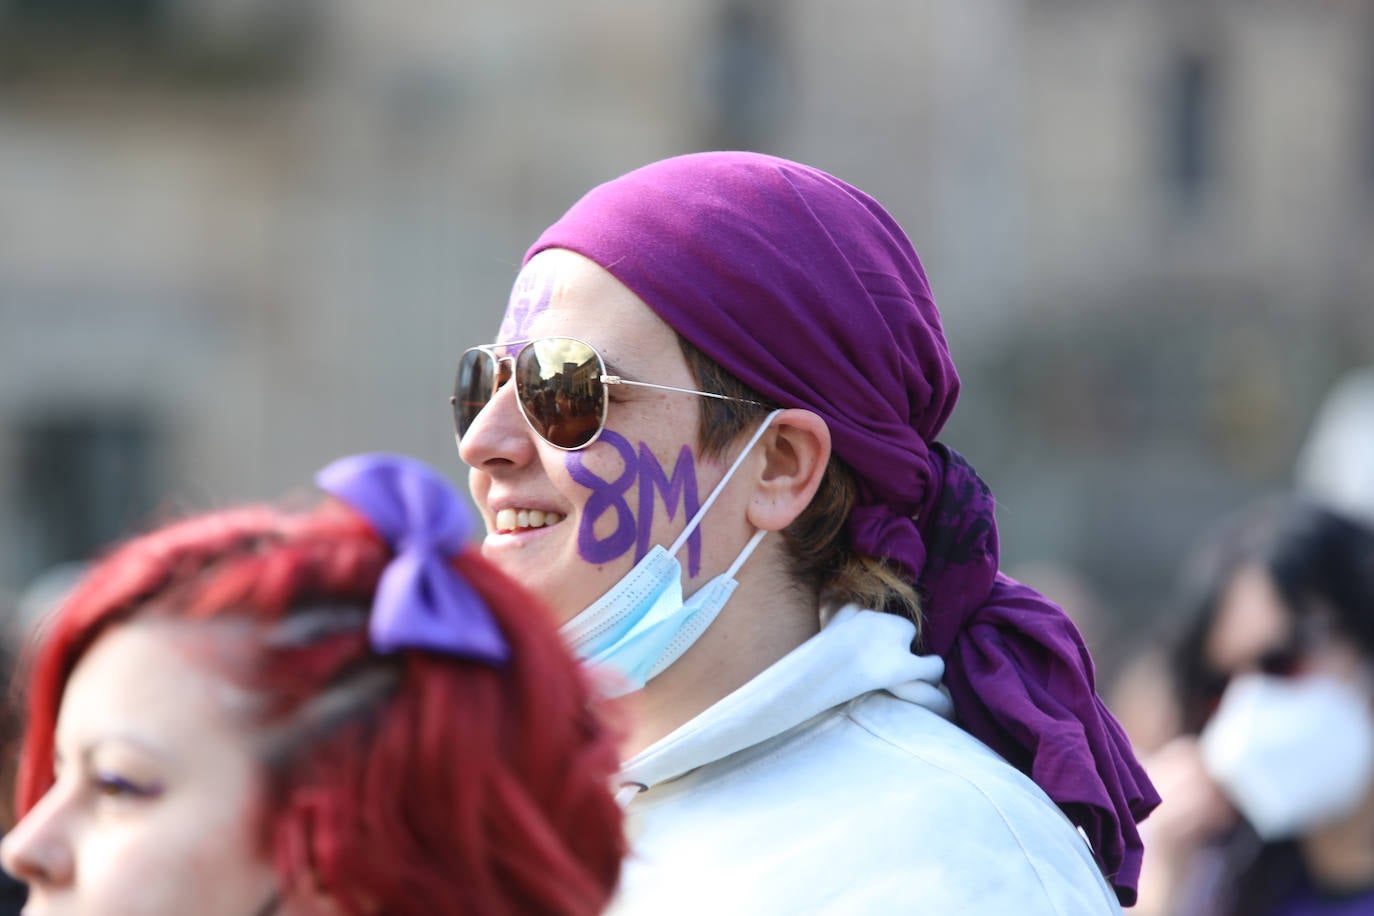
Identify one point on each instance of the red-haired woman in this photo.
(337, 711)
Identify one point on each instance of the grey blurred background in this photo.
(239, 238)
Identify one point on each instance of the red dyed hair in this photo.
(411, 783)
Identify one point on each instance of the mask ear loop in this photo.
(710, 500)
(744, 554)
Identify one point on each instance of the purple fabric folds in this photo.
(807, 290)
(421, 602)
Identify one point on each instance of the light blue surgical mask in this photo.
(642, 624)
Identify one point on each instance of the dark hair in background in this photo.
(1319, 561)
(408, 783)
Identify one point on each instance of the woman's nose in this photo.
(38, 851)
(498, 434)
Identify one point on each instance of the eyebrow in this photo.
(90, 748)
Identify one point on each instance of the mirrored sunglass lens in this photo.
(559, 383)
(473, 388)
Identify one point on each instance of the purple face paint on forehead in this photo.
(529, 297)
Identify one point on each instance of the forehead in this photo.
(1251, 619)
(144, 681)
(559, 292)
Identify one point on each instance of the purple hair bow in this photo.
(421, 602)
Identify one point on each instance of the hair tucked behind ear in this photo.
(411, 783)
(818, 540)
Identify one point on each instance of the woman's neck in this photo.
(767, 617)
(1340, 856)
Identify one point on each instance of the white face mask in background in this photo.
(1291, 753)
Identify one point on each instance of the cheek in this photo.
(634, 499)
(198, 852)
(604, 480)
(478, 485)
(161, 868)
(1344, 661)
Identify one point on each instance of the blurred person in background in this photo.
(1269, 793)
(1141, 695)
(341, 710)
(707, 437)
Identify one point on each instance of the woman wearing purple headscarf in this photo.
(706, 437)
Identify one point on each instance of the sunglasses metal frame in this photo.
(602, 376)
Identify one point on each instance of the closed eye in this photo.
(112, 785)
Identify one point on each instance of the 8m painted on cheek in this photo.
(631, 529)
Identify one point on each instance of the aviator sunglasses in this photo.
(560, 385)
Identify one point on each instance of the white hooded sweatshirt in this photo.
(834, 782)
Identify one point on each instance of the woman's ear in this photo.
(796, 452)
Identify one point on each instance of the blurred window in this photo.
(745, 76)
(194, 44)
(86, 479)
(88, 13)
(1368, 132)
(1190, 127)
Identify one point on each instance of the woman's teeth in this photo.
(515, 519)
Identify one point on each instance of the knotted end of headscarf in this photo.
(1021, 678)
(421, 601)
(877, 529)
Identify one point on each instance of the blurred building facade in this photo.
(241, 237)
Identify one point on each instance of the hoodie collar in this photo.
(857, 652)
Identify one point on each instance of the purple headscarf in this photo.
(805, 289)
